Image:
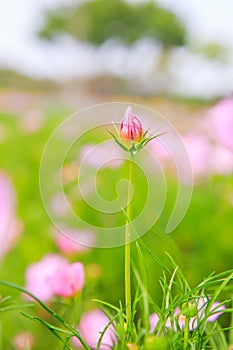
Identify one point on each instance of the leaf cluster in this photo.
(97, 21)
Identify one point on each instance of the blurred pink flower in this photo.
(131, 126)
(23, 340)
(221, 160)
(68, 280)
(32, 121)
(154, 319)
(215, 311)
(91, 325)
(58, 205)
(37, 275)
(159, 150)
(68, 243)
(106, 154)
(199, 150)
(220, 122)
(9, 226)
(53, 275)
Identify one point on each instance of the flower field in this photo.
(65, 290)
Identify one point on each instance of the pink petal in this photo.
(222, 160)
(128, 116)
(68, 243)
(131, 126)
(217, 311)
(220, 119)
(199, 151)
(91, 326)
(38, 273)
(97, 156)
(154, 319)
(67, 280)
(9, 227)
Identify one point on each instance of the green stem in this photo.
(50, 311)
(127, 245)
(186, 333)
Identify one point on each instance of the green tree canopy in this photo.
(96, 21)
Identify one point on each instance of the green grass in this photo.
(200, 245)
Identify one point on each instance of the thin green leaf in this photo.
(217, 339)
(107, 304)
(144, 295)
(50, 311)
(231, 331)
(16, 307)
(147, 140)
(168, 295)
(181, 276)
(105, 329)
(116, 129)
(140, 241)
(117, 141)
(50, 327)
(216, 294)
(5, 299)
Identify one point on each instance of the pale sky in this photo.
(208, 20)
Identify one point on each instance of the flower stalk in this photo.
(131, 137)
(186, 332)
(127, 245)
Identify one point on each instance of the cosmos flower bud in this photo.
(131, 126)
(130, 136)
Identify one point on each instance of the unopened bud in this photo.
(131, 126)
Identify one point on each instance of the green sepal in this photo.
(118, 142)
(148, 139)
(135, 147)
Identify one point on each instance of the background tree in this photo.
(97, 21)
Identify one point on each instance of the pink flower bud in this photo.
(131, 126)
